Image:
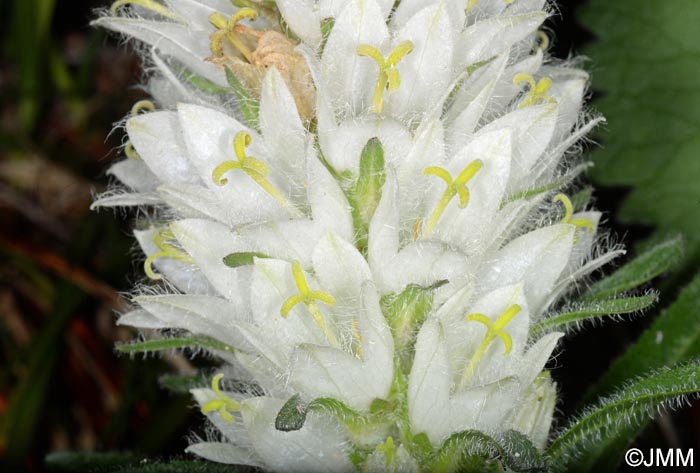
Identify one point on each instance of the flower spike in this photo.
(309, 298)
(493, 330)
(224, 404)
(538, 90)
(457, 187)
(568, 206)
(389, 77)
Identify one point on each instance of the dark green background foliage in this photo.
(63, 387)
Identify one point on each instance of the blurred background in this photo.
(63, 85)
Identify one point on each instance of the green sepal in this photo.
(590, 311)
(364, 196)
(234, 260)
(470, 451)
(405, 313)
(653, 262)
(579, 446)
(292, 415)
(581, 199)
(176, 343)
(205, 85)
(248, 105)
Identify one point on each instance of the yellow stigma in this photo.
(164, 239)
(537, 92)
(543, 41)
(493, 331)
(224, 404)
(253, 167)
(389, 77)
(152, 5)
(454, 187)
(142, 106)
(130, 152)
(309, 297)
(226, 29)
(569, 211)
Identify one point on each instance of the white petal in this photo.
(134, 174)
(208, 242)
(282, 128)
(494, 35)
(329, 206)
(318, 447)
(351, 78)
(221, 452)
(158, 140)
(536, 258)
(140, 318)
(185, 276)
(429, 383)
(426, 72)
(209, 136)
(172, 39)
(301, 18)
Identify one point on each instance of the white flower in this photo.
(370, 237)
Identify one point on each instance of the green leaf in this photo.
(674, 337)
(293, 414)
(365, 195)
(235, 260)
(512, 448)
(249, 106)
(176, 343)
(580, 445)
(79, 462)
(591, 311)
(654, 261)
(646, 64)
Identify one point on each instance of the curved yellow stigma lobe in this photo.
(253, 167)
(456, 187)
(163, 240)
(142, 106)
(152, 5)
(493, 330)
(309, 297)
(569, 211)
(224, 404)
(130, 152)
(537, 90)
(543, 41)
(389, 77)
(225, 29)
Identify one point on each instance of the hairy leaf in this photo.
(592, 311)
(293, 414)
(235, 260)
(654, 261)
(249, 106)
(176, 343)
(512, 448)
(674, 337)
(112, 462)
(578, 446)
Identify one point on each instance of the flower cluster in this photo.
(361, 209)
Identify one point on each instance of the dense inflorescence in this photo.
(361, 209)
